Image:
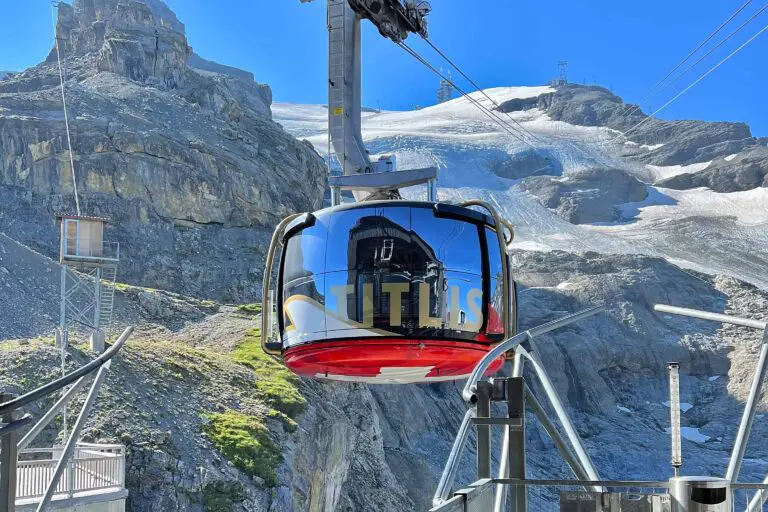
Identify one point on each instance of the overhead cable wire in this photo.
(463, 74)
(494, 117)
(481, 90)
(702, 77)
(714, 48)
(650, 93)
(66, 117)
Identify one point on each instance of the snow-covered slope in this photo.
(724, 233)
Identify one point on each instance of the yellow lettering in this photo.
(368, 305)
(395, 291)
(454, 311)
(472, 296)
(424, 319)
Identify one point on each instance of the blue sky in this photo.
(626, 46)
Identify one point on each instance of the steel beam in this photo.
(371, 182)
(750, 408)
(454, 457)
(715, 317)
(9, 460)
(516, 452)
(554, 434)
(69, 447)
(51, 414)
(500, 496)
(748, 417)
(483, 431)
(562, 415)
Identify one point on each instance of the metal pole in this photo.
(69, 447)
(554, 434)
(748, 417)
(9, 458)
(483, 431)
(454, 457)
(64, 334)
(562, 415)
(674, 416)
(50, 415)
(759, 499)
(516, 454)
(500, 496)
(715, 317)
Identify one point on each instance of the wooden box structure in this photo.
(88, 271)
(82, 242)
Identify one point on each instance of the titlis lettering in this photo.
(395, 292)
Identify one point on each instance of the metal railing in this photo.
(93, 468)
(587, 487)
(95, 465)
(110, 251)
(557, 495)
(473, 395)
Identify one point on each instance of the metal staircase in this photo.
(107, 296)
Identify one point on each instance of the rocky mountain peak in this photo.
(139, 39)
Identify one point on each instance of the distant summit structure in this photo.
(562, 77)
(445, 91)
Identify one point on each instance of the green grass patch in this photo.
(246, 443)
(250, 308)
(274, 382)
(221, 496)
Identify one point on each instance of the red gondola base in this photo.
(388, 360)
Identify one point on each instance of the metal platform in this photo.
(512, 490)
(372, 182)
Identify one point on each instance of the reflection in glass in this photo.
(394, 271)
(305, 252)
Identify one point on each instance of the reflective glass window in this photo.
(452, 244)
(494, 255)
(304, 317)
(365, 238)
(305, 252)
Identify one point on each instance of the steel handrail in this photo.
(468, 393)
(71, 377)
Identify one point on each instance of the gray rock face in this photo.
(522, 165)
(587, 196)
(187, 163)
(744, 171)
(684, 142)
(382, 448)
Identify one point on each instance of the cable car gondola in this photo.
(389, 291)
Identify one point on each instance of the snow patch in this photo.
(623, 409)
(564, 285)
(713, 378)
(730, 157)
(684, 406)
(662, 172)
(691, 434)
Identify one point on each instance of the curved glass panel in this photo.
(387, 272)
(304, 253)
